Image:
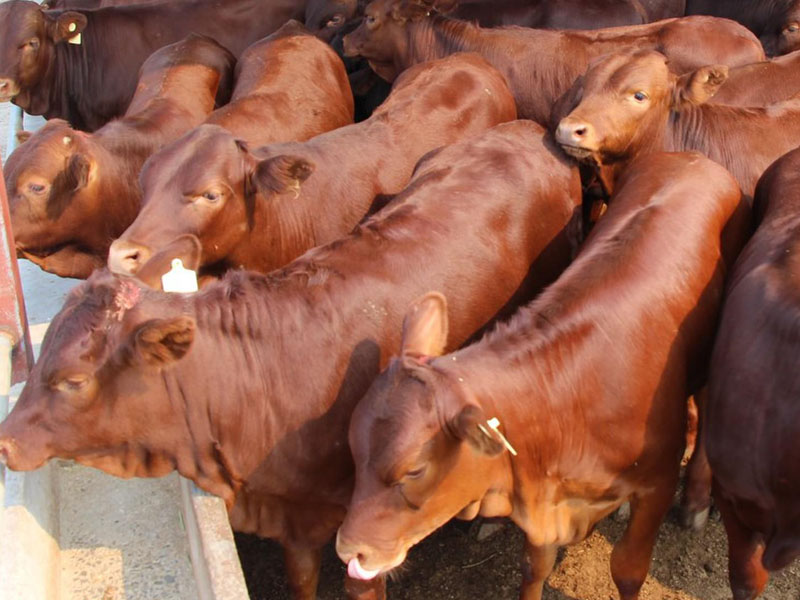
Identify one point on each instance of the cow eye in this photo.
(73, 383)
(36, 188)
(640, 96)
(371, 21)
(335, 21)
(212, 196)
(33, 43)
(792, 27)
(416, 473)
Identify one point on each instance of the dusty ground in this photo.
(452, 565)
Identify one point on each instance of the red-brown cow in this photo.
(289, 86)
(775, 22)
(630, 104)
(253, 380)
(752, 416)
(761, 83)
(259, 210)
(539, 65)
(72, 193)
(586, 388)
(92, 82)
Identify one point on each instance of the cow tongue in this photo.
(356, 571)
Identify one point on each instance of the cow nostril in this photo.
(580, 131)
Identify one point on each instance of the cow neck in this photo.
(733, 136)
(283, 363)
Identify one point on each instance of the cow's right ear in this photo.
(281, 174)
(425, 327)
(471, 425)
(160, 342)
(699, 86)
(77, 173)
(66, 25)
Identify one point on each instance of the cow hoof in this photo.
(693, 520)
(623, 513)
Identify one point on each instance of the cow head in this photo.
(621, 105)
(786, 37)
(100, 384)
(326, 18)
(422, 450)
(382, 36)
(27, 37)
(206, 184)
(51, 181)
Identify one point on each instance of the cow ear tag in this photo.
(179, 279)
(493, 424)
(76, 39)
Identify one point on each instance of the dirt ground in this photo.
(452, 565)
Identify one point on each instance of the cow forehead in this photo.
(19, 20)
(623, 69)
(43, 153)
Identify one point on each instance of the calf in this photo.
(289, 86)
(91, 82)
(630, 104)
(252, 380)
(586, 388)
(775, 22)
(72, 193)
(539, 65)
(753, 419)
(259, 210)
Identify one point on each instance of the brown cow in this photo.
(631, 104)
(539, 65)
(775, 22)
(588, 385)
(53, 4)
(761, 83)
(252, 381)
(289, 86)
(752, 416)
(88, 84)
(72, 193)
(259, 210)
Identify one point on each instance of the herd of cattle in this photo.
(491, 295)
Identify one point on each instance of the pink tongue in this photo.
(356, 571)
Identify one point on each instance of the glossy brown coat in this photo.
(753, 416)
(761, 83)
(539, 65)
(630, 105)
(259, 210)
(252, 381)
(72, 193)
(588, 383)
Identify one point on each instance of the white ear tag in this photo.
(75, 39)
(493, 424)
(179, 279)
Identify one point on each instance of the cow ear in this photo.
(471, 426)
(67, 25)
(699, 86)
(281, 174)
(412, 10)
(160, 342)
(78, 171)
(425, 327)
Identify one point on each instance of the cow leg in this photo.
(630, 559)
(356, 589)
(537, 564)
(302, 570)
(696, 500)
(747, 575)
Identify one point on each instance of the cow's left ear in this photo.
(471, 426)
(66, 25)
(425, 327)
(160, 342)
(699, 86)
(77, 172)
(281, 174)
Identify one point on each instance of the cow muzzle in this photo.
(577, 137)
(126, 258)
(351, 45)
(14, 459)
(362, 564)
(8, 89)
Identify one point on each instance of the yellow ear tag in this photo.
(76, 39)
(493, 424)
(179, 279)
